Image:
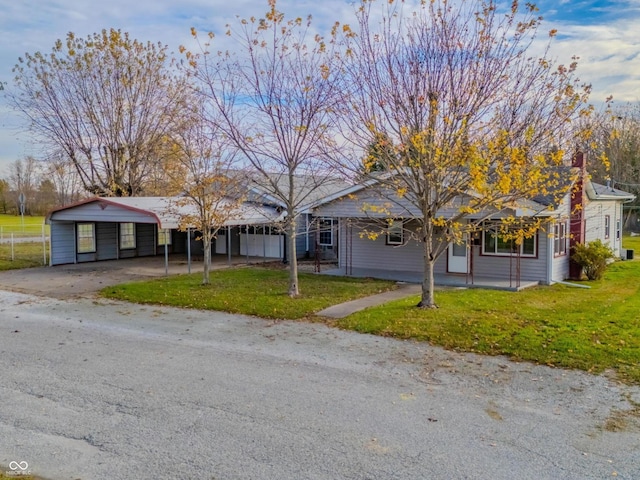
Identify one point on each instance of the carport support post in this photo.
(189, 250)
(229, 244)
(166, 258)
(44, 247)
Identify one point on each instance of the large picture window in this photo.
(325, 227)
(495, 244)
(395, 233)
(164, 236)
(86, 233)
(560, 239)
(127, 236)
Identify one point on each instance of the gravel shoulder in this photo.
(96, 389)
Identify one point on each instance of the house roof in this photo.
(168, 211)
(308, 189)
(596, 191)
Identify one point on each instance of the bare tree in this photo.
(210, 190)
(614, 147)
(62, 173)
(105, 101)
(471, 118)
(24, 177)
(274, 100)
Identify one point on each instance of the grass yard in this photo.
(252, 291)
(593, 330)
(26, 255)
(633, 243)
(32, 226)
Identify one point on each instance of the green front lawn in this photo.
(590, 329)
(632, 243)
(251, 291)
(593, 329)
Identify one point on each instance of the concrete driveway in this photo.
(82, 279)
(94, 389)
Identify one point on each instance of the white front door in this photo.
(457, 255)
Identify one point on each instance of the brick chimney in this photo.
(577, 222)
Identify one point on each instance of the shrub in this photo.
(593, 258)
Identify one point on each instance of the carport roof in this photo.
(168, 211)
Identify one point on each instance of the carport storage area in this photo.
(129, 227)
(103, 230)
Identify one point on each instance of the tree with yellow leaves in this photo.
(210, 188)
(478, 115)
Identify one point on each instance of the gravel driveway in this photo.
(106, 390)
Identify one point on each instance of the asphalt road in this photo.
(105, 390)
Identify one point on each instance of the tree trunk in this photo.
(293, 260)
(428, 297)
(206, 245)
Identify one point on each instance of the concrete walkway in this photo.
(344, 309)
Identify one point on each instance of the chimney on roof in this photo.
(578, 160)
(577, 221)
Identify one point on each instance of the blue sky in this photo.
(602, 33)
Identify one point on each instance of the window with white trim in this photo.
(560, 239)
(164, 236)
(127, 236)
(86, 237)
(395, 233)
(618, 229)
(495, 244)
(607, 226)
(325, 232)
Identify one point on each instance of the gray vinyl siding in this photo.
(103, 212)
(301, 237)
(145, 239)
(560, 264)
(357, 206)
(63, 243)
(106, 241)
(561, 267)
(367, 253)
(499, 266)
(354, 206)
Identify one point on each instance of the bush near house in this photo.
(593, 258)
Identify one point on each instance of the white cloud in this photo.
(608, 49)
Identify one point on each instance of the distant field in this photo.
(14, 224)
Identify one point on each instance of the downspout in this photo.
(569, 284)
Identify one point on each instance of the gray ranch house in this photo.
(591, 211)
